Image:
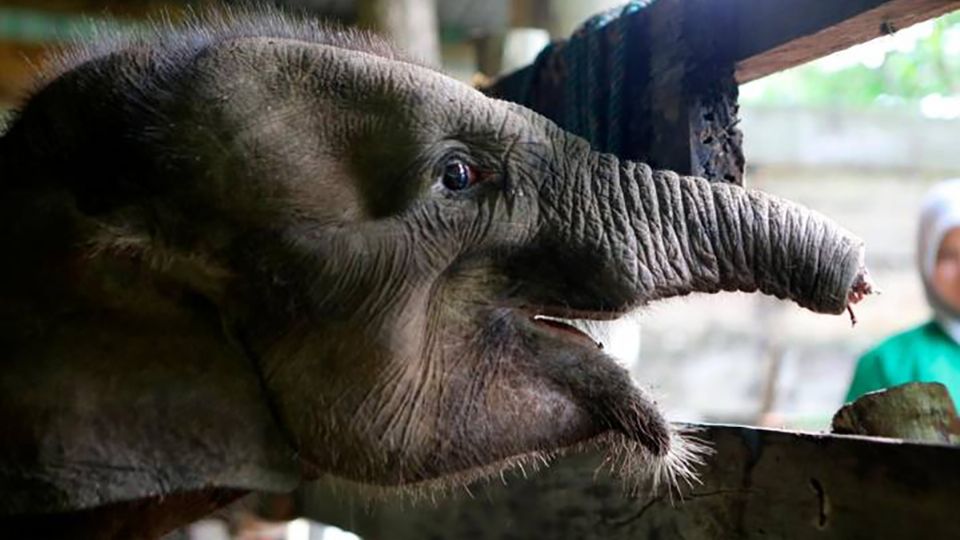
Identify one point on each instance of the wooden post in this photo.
(411, 24)
(692, 93)
(529, 13)
(489, 51)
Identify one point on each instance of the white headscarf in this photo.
(939, 212)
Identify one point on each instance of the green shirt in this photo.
(925, 353)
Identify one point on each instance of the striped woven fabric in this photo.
(582, 83)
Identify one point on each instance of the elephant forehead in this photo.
(293, 67)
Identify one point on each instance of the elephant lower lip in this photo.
(558, 326)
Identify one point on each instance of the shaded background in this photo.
(859, 136)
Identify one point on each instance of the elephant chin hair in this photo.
(641, 472)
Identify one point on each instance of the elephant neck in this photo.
(101, 407)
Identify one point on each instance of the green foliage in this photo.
(903, 77)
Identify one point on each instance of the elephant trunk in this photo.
(672, 235)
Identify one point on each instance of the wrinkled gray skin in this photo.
(231, 262)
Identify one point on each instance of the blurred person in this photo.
(929, 352)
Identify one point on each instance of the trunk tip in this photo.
(863, 286)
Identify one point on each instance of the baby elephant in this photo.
(252, 250)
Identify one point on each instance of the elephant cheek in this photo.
(517, 416)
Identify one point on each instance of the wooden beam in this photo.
(760, 484)
(776, 35)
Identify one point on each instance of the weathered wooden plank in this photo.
(777, 35)
(760, 484)
(762, 36)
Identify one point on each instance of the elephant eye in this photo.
(457, 175)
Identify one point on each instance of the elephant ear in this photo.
(119, 380)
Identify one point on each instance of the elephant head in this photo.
(255, 248)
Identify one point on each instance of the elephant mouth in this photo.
(590, 328)
(573, 329)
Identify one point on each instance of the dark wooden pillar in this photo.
(646, 86)
(691, 91)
